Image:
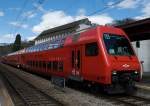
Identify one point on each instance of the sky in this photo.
(30, 17)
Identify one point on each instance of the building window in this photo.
(137, 44)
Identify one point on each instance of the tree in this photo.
(124, 21)
(17, 43)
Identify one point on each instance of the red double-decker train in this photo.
(96, 56)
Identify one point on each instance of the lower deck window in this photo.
(55, 65)
(60, 66)
(36, 64)
(40, 64)
(49, 65)
(44, 64)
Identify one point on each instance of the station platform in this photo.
(143, 89)
(5, 99)
(143, 85)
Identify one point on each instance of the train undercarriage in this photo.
(123, 82)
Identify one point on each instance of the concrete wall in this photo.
(143, 53)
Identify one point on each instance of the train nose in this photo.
(125, 76)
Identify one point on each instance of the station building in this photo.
(62, 31)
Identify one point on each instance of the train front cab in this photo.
(122, 67)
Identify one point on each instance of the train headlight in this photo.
(114, 73)
(135, 72)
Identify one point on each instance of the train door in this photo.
(76, 62)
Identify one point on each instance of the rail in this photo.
(29, 94)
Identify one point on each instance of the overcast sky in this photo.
(30, 17)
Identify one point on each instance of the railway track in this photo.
(30, 95)
(130, 100)
(117, 100)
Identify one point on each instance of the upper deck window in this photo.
(91, 49)
(117, 45)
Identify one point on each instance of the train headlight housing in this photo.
(136, 75)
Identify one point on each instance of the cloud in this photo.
(29, 14)
(17, 24)
(56, 18)
(145, 11)
(81, 12)
(101, 19)
(52, 19)
(1, 13)
(128, 4)
(110, 4)
(7, 38)
(31, 38)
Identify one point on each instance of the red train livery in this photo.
(97, 56)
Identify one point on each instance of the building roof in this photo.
(65, 27)
(137, 30)
(135, 23)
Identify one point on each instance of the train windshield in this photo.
(117, 45)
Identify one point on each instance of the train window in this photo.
(60, 66)
(36, 64)
(27, 62)
(55, 46)
(73, 56)
(55, 65)
(40, 63)
(33, 63)
(117, 45)
(44, 64)
(78, 63)
(49, 65)
(30, 63)
(91, 49)
(50, 46)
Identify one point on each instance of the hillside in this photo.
(7, 48)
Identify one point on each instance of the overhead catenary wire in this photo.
(105, 7)
(18, 15)
(40, 3)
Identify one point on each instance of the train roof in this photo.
(55, 43)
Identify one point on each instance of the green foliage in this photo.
(123, 21)
(17, 43)
(5, 49)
